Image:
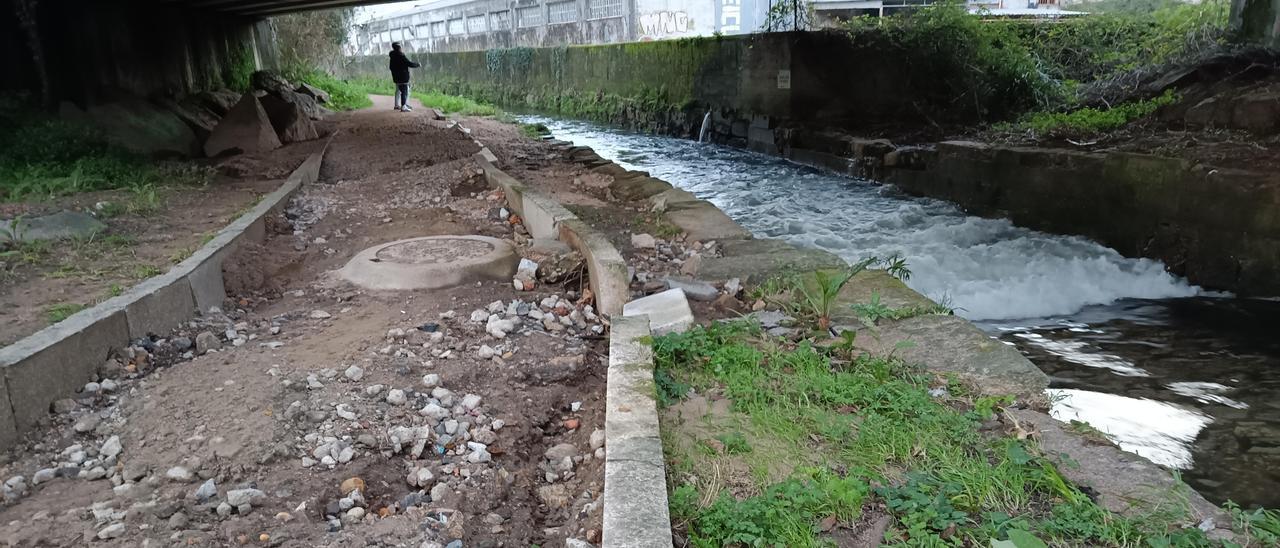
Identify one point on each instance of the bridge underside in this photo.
(265, 8)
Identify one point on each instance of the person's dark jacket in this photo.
(400, 65)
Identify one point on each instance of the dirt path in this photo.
(315, 388)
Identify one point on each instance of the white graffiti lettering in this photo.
(664, 23)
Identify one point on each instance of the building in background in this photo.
(470, 25)
(830, 12)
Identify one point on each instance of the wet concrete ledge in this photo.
(58, 360)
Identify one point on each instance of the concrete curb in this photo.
(58, 360)
(635, 481)
(544, 217)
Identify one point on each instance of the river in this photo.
(1183, 377)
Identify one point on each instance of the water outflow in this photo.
(706, 122)
(985, 268)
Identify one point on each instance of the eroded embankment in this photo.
(309, 412)
(709, 257)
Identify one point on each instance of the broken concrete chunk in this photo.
(668, 311)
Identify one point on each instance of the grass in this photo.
(343, 94)
(1089, 120)
(864, 433)
(534, 131)
(62, 311)
(42, 157)
(449, 104)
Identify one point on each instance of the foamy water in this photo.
(985, 268)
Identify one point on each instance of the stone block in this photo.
(637, 188)
(289, 121)
(668, 311)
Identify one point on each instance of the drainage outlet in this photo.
(433, 262)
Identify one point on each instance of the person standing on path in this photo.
(400, 65)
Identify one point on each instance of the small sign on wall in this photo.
(784, 79)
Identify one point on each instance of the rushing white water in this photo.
(985, 268)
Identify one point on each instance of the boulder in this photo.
(245, 128)
(270, 82)
(1258, 111)
(219, 101)
(196, 115)
(307, 103)
(291, 124)
(139, 126)
(316, 93)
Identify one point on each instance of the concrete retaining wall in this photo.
(1216, 227)
(753, 85)
(57, 361)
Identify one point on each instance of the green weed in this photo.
(1089, 120)
(343, 94)
(872, 312)
(872, 419)
(145, 271)
(534, 131)
(115, 290)
(62, 311)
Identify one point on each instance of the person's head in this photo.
(395, 46)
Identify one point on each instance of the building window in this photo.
(475, 24)
(529, 16)
(422, 32)
(600, 9)
(562, 12)
(456, 27)
(437, 29)
(500, 20)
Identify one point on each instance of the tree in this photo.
(784, 15)
(313, 39)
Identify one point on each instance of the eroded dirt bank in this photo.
(312, 413)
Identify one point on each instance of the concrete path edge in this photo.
(635, 482)
(544, 217)
(58, 360)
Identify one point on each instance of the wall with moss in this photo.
(1215, 226)
(661, 85)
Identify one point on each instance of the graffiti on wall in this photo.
(659, 24)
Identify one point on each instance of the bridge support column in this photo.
(1257, 21)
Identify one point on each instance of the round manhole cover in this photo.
(432, 263)
(434, 251)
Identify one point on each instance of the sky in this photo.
(366, 13)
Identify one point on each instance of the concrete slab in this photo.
(668, 312)
(635, 493)
(8, 425)
(58, 360)
(542, 214)
(754, 261)
(1125, 483)
(951, 344)
(607, 270)
(159, 305)
(703, 221)
(58, 226)
(207, 286)
(670, 198)
(631, 188)
(432, 262)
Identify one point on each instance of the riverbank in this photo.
(590, 182)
